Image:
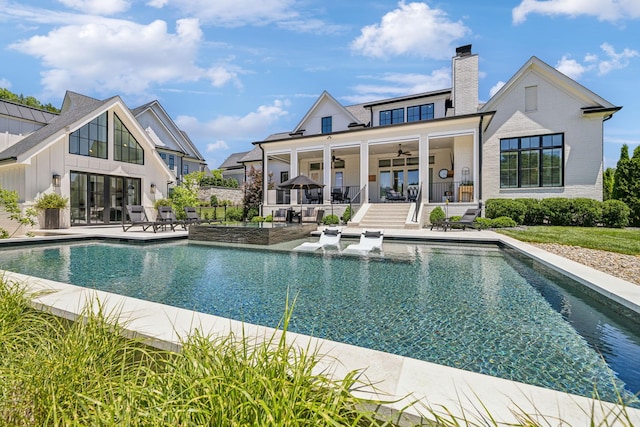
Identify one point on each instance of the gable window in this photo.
(419, 112)
(532, 161)
(327, 125)
(390, 117)
(91, 139)
(125, 147)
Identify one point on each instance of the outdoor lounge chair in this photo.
(369, 240)
(279, 215)
(138, 217)
(309, 215)
(392, 195)
(194, 218)
(466, 220)
(329, 237)
(166, 217)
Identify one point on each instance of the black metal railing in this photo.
(418, 202)
(454, 191)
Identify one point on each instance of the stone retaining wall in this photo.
(236, 195)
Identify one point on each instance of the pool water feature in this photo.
(479, 309)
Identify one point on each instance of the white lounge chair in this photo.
(329, 237)
(369, 240)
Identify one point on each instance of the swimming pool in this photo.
(481, 309)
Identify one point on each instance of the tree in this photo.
(253, 193)
(608, 179)
(627, 182)
(186, 193)
(9, 204)
(26, 100)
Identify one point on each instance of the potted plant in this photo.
(51, 204)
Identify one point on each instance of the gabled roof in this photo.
(233, 161)
(75, 108)
(534, 64)
(180, 138)
(254, 155)
(325, 96)
(24, 112)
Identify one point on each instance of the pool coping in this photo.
(398, 380)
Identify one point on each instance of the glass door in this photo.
(78, 199)
(97, 199)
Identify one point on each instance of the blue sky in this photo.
(231, 72)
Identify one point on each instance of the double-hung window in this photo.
(532, 161)
(391, 117)
(418, 113)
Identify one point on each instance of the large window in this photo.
(390, 117)
(420, 112)
(532, 161)
(125, 147)
(326, 124)
(91, 139)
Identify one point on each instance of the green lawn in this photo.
(624, 241)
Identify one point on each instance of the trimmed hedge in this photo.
(437, 214)
(581, 212)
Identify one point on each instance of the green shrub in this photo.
(502, 222)
(483, 222)
(534, 212)
(51, 201)
(615, 214)
(331, 219)
(213, 200)
(557, 210)
(346, 216)
(257, 219)
(269, 218)
(586, 212)
(162, 202)
(234, 214)
(437, 214)
(514, 209)
(253, 211)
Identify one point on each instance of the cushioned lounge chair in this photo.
(370, 240)
(279, 215)
(309, 215)
(194, 218)
(138, 217)
(329, 237)
(167, 218)
(466, 220)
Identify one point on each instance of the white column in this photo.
(293, 172)
(326, 174)
(423, 170)
(364, 171)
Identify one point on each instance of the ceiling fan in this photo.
(334, 158)
(402, 153)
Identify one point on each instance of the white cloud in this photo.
(117, 56)
(396, 84)
(254, 125)
(496, 87)
(412, 29)
(157, 3)
(216, 146)
(97, 7)
(571, 67)
(234, 13)
(603, 10)
(5, 83)
(612, 61)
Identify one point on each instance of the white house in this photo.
(99, 153)
(539, 136)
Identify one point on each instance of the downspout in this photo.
(263, 181)
(480, 162)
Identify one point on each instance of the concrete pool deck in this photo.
(395, 377)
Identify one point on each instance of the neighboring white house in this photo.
(98, 153)
(539, 136)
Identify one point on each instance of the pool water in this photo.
(479, 309)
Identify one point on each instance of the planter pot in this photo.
(52, 219)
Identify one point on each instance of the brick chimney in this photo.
(464, 68)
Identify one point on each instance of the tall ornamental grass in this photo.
(55, 372)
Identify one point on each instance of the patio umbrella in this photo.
(300, 182)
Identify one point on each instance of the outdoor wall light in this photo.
(153, 189)
(56, 180)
